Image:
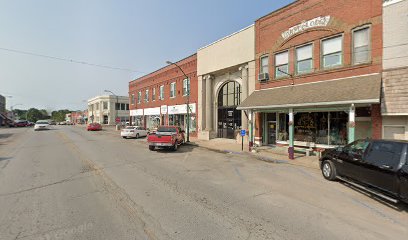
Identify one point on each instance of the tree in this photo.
(33, 115)
(59, 115)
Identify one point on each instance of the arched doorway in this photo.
(229, 118)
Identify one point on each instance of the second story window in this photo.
(154, 94)
(139, 97)
(264, 64)
(304, 59)
(332, 52)
(361, 45)
(161, 97)
(186, 87)
(147, 95)
(105, 105)
(172, 90)
(282, 64)
(132, 99)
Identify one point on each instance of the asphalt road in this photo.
(67, 183)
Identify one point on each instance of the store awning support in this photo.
(291, 149)
(352, 124)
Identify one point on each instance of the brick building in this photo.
(160, 97)
(318, 66)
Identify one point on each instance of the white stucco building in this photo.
(105, 109)
(226, 76)
(394, 108)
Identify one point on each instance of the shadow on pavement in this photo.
(4, 158)
(5, 135)
(400, 206)
(181, 149)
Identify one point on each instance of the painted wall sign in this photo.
(315, 22)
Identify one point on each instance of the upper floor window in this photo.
(186, 87)
(282, 64)
(105, 105)
(139, 97)
(153, 94)
(361, 45)
(97, 106)
(147, 95)
(332, 51)
(161, 97)
(264, 65)
(132, 99)
(117, 106)
(304, 59)
(172, 90)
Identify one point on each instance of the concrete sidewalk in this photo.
(269, 154)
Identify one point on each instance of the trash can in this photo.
(117, 127)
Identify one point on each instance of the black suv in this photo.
(377, 166)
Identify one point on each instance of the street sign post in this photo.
(243, 133)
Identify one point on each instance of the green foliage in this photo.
(59, 115)
(35, 114)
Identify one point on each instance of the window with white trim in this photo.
(264, 64)
(139, 97)
(304, 59)
(147, 95)
(132, 101)
(186, 87)
(282, 64)
(361, 45)
(172, 90)
(332, 52)
(154, 94)
(161, 96)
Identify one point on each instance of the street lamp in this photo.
(188, 99)
(116, 106)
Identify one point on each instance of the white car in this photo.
(41, 125)
(133, 132)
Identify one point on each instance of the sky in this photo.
(129, 37)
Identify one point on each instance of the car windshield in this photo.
(166, 129)
(130, 127)
(41, 122)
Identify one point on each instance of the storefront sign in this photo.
(181, 109)
(152, 111)
(136, 112)
(315, 22)
(163, 109)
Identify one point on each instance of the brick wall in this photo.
(344, 15)
(376, 121)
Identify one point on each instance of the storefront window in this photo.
(283, 134)
(338, 128)
(153, 121)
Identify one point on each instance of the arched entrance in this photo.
(229, 118)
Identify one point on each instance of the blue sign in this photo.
(243, 132)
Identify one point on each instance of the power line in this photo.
(69, 60)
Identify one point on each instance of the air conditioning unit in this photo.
(263, 77)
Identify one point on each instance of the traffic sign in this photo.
(117, 120)
(243, 132)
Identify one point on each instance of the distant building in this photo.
(105, 109)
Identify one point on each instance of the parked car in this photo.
(94, 127)
(41, 125)
(30, 124)
(376, 166)
(167, 137)
(20, 123)
(133, 132)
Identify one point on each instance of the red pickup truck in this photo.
(167, 137)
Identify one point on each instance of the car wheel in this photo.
(329, 170)
(124, 137)
(137, 135)
(151, 148)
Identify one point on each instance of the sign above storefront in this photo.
(163, 109)
(152, 111)
(136, 112)
(315, 22)
(181, 109)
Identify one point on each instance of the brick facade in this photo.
(165, 76)
(345, 17)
